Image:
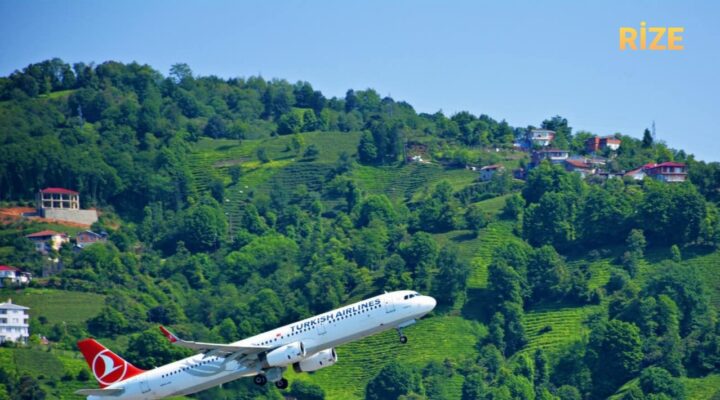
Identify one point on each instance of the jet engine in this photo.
(285, 355)
(317, 361)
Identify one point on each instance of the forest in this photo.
(237, 205)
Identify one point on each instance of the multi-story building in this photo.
(541, 137)
(668, 172)
(63, 205)
(14, 322)
(665, 172)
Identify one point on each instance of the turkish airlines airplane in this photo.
(307, 345)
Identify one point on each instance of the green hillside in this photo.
(234, 206)
(58, 305)
(434, 339)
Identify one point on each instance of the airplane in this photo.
(306, 346)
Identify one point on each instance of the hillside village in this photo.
(228, 207)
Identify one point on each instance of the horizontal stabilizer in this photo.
(100, 392)
(215, 347)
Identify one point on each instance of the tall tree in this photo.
(615, 354)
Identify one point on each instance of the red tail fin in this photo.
(107, 366)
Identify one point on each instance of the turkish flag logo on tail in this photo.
(107, 366)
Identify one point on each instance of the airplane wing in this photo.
(100, 392)
(214, 347)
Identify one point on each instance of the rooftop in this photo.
(578, 163)
(8, 305)
(669, 164)
(45, 233)
(494, 166)
(7, 268)
(58, 190)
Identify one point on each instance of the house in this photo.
(555, 156)
(638, 174)
(665, 172)
(668, 172)
(13, 275)
(63, 205)
(582, 167)
(487, 172)
(597, 143)
(541, 137)
(86, 238)
(48, 240)
(607, 174)
(14, 322)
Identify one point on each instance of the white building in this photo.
(14, 322)
(542, 137)
(555, 156)
(13, 275)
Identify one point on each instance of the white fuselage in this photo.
(324, 331)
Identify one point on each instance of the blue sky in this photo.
(516, 60)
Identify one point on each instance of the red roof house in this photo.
(580, 166)
(46, 240)
(668, 172)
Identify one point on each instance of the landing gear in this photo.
(260, 380)
(403, 338)
(281, 384)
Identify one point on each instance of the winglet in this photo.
(171, 336)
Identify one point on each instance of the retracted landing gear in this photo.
(403, 338)
(260, 380)
(281, 384)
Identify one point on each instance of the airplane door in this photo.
(144, 387)
(321, 328)
(389, 304)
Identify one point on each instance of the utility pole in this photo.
(653, 130)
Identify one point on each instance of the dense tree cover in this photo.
(122, 135)
(562, 210)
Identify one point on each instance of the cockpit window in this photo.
(411, 295)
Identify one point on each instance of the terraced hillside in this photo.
(58, 305)
(404, 181)
(550, 328)
(211, 160)
(708, 264)
(707, 387)
(432, 339)
(46, 366)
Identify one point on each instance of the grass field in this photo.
(494, 206)
(704, 388)
(57, 305)
(436, 338)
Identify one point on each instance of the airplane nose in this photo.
(430, 303)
